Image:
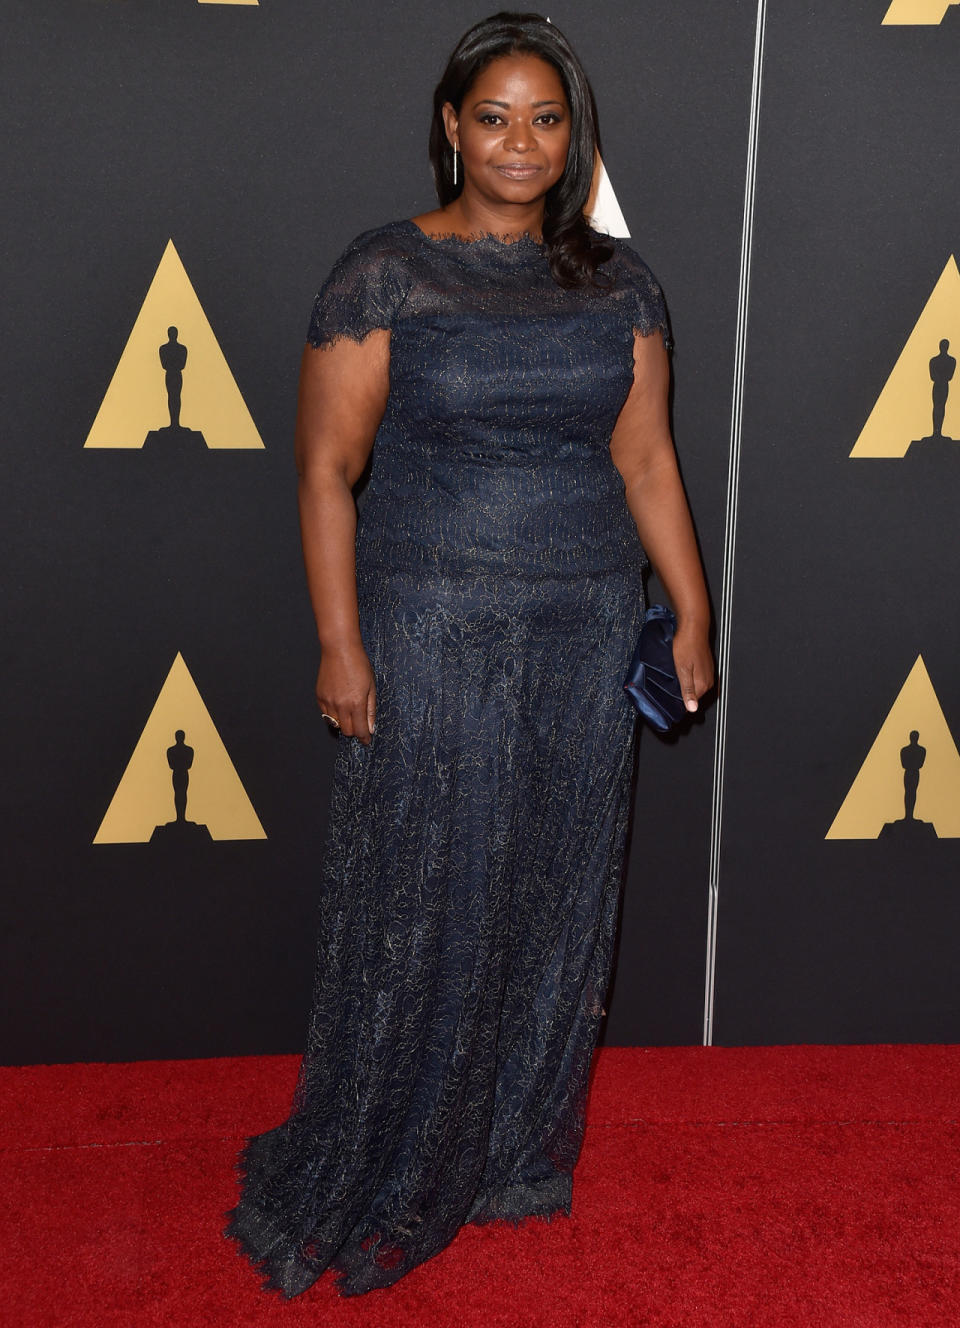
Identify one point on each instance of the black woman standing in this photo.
(506, 365)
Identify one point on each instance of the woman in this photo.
(476, 622)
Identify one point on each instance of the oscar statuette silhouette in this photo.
(942, 368)
(173, 436)
(180, 761)
(910, 829)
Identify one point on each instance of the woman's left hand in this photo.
(694, 663)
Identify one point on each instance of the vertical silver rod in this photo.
(730, 533)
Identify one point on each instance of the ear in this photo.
(451, 123)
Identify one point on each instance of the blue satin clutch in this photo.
(652, 683)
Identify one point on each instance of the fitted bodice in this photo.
(493, 451)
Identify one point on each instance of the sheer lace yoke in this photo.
(488, 240)
(398, 275)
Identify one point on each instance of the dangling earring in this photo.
(455, 154)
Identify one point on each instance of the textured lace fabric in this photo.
(471, 870)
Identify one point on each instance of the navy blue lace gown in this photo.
(472, 866)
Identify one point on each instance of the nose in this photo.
(520, 138)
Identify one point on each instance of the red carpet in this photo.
(765, 1186)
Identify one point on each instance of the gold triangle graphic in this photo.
(918, 13)
(877, 795)
(904, 409)
(136, 402)
(602, 209)
(145, 797)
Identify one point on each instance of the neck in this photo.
(472, 215)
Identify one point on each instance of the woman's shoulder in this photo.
(637, 289)
(373, 258)
(365, 288)
(634, 268)
(378, 242)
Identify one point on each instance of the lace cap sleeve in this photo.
(642, 295)
(362, 291)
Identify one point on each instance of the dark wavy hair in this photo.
(574, 251)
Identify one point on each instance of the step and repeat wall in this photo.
(183, 175)
(839, 887)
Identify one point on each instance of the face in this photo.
(513, 130)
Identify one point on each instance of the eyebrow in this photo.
(489, 101)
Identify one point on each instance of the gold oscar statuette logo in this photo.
(172, 389)
(919, 407)
(917, 13)
(908, 788)
(180, 786)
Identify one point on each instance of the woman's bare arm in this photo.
(342, 397)
(642, 450)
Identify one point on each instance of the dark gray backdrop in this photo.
(846, 569)
(262, 139)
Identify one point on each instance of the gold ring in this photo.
(334, 723)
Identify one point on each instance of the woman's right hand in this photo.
(347, 690)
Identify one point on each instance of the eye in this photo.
(554, 116)
(488, 115)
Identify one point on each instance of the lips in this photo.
(519, 172)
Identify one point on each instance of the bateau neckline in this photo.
(489, 238)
